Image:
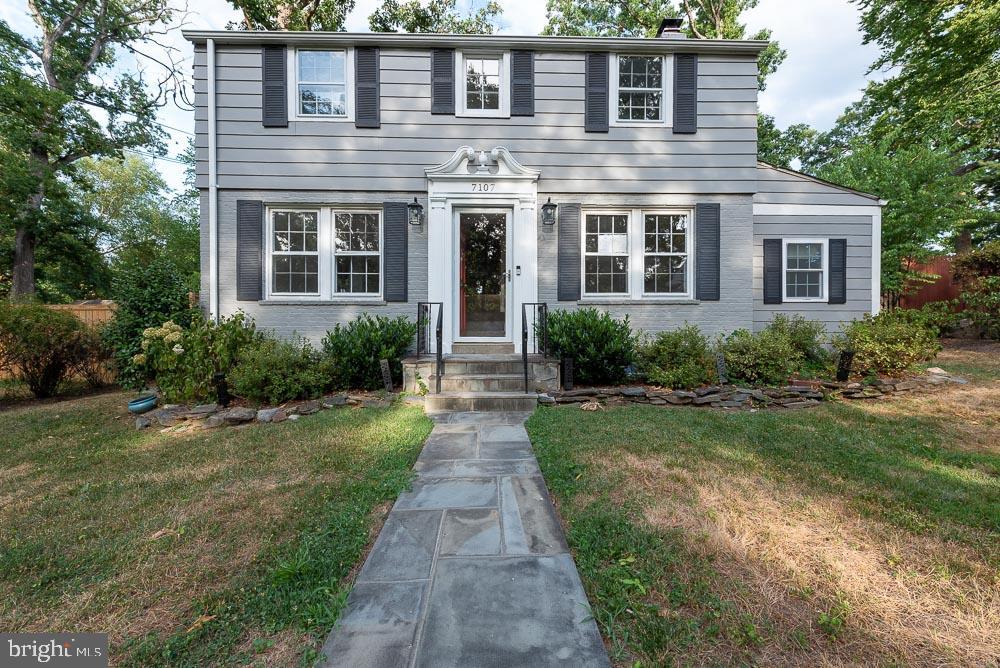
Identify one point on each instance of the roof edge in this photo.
(816, 179)
(749, 47)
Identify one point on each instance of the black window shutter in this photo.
(394, 255)
(685, 94)
(522, 83)
(249, 249)
(366, 87)
(838, 271)
(274, 72)
(772, 271)
(707, 220)
(596, 91)
(442, 81)
(569, 253)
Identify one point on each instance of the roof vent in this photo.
(670, 28)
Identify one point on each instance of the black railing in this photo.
(425, 318)
(534, 338)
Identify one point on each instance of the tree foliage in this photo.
(328, 15)
(50, 87)
(781, 147)
(437, 16)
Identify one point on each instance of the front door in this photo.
(483, 274)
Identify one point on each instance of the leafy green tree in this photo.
(328, 15)
(781, 147)
(50, 85)
(437, 16)
(707, 19)
(928, 201)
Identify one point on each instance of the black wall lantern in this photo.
(549, 213)
(415, 212)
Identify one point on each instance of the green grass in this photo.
(204, 548)
(663, 593)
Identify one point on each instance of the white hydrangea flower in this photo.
(177, 349)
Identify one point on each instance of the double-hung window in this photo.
(804, 269)
(321, 84)
(639, 91)
(637, 254)
(665, 249)
(325, 252)
(482, 84)
(606, 250)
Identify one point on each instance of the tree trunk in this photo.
(24, 265)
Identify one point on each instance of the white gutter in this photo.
(877, 258)
(213, 193)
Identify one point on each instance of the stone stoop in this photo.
(479, 381)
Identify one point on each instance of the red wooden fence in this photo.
(941, 289)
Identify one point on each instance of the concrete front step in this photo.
(482, 382)
(482, 348)
(480, 401)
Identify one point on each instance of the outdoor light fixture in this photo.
(415, 212)
(549, 213)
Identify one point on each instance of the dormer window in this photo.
(483, 83)
(639, 93)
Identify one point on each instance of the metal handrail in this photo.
(424, 312)
(540, 329)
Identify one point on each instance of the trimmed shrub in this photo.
(183, 361)
(765, 358)
(272, 371)
(806, 336)
(601, 347)
(40, 347)
(353, 351)
(146, 295)
(680, 359)
(887, 343)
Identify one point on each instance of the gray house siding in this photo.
(310, 319)
(330, 155)
(852, 221)
(733, 310)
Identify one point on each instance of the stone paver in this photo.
(471, 567)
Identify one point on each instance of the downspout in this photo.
(213, 194)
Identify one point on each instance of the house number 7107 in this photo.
(483, 187)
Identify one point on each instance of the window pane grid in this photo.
(482, 83)
(295, 264)
(356, 244)
(606, 251)
(640, 88)
(322, 85)
(804, 270)
(665, 254)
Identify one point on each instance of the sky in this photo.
(826, 68)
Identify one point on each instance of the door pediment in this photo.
(469, 164)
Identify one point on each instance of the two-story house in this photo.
(345, 173)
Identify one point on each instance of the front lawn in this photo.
(225, 547)
(864, 533)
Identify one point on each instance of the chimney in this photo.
(670, 28)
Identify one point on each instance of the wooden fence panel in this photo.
(92, 313)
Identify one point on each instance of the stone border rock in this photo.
(803, 394)
(179, 418)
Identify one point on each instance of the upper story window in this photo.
(483, 84)
(639, 91)
(637, 253)
(321, 83)
(805, 269)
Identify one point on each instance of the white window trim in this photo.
(460, 100)
(325, 247)
(688, 253)
(666, 97)
(824, 274)
(293, 89)
(628, 252)
(636, 256)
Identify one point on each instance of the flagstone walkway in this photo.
(471, 567)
